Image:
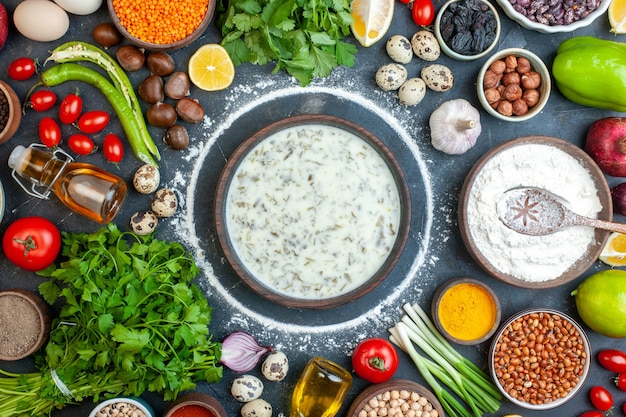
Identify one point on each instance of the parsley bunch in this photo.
(132, 322)
(304, 37)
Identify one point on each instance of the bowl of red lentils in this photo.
(540, 358)
(396, 397)
(161, 25)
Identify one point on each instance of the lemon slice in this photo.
(617, 16)
(210, 68)
(614, 252)
(372, 19)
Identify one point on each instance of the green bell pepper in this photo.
(592, 72)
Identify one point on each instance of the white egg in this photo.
(82, 7)
(41, 20)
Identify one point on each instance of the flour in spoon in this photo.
(532, 258)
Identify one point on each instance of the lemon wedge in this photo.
(617, 16)
(614, 252)
(372, 19)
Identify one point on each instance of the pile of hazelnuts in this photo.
(511, 85)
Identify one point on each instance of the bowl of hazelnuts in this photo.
(513, 85)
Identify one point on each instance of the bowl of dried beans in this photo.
(157, 25)
(539, 358)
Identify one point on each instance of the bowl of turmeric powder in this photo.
(466, 311)
(158, 25)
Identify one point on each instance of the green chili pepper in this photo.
(61, 73)
(82, 51)
(592, 72)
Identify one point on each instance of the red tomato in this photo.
(375, 360)
(70, 108)
(613, 360)
(601, 398)
(32, 243)
(42, 100)
(22, 69)
(593, 413)
(620, 381)
(405, 1)
(93, 121)
(113, 148)
(49, 132)
(423, 12)
(81, 144)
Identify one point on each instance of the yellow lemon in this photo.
(614, 252)
(372, 19)
(210, 68)
(617, 16)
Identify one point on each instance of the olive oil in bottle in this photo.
(84, 188)
(321, 389)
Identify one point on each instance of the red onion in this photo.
(618, 194)
(241, 352)
(606, 144)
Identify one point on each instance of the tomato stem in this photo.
(29, 244)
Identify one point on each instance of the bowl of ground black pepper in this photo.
(24, 324)
(157, 25)
(10, 112)
(467, 29)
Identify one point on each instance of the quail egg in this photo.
(399, 49)
(246, 388)
(391, 76)
(143, 222)
(412, 91)
(164, 203)
(256, 408)
(437, 77)
(425, 45)
(275, 366)
(146, 179)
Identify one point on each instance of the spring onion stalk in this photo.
(458, 373)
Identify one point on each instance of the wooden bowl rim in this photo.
(149, 46)
(393, 384)
(15, 112)
(600, 236)
(231, 166)
(436, 301)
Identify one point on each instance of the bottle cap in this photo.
(16, 159)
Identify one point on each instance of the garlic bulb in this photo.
(454, 127)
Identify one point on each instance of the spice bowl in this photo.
(448, 35)
(195, 404)
(525, 261)
(465, 310)
(123, 407)
(513, 85)
(544, 380)
(9, 98)
(144, 37)
(403, 390)
(518, 10)
(24, 324)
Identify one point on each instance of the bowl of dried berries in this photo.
(513, 85)
(10, 112)
(467, 29)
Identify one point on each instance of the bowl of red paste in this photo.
(195, 404)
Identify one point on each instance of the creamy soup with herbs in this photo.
(313, 211)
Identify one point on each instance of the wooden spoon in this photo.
(537, 212)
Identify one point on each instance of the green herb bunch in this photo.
(132, 321)
(303, 37)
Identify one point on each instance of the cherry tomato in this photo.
(594, 413)
(22, 69)
(601, 398)
(113, 148)
(81, 144)
(42, 100)
(423, 12)
(49, 132)
(613, 360)
(93, 121)
(375, 360)
(620, 381)
(70, 108)
(32, 243)
(405, 1)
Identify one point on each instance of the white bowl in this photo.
(451, 53)
(140, 404)
(544, 89)
(543, 28)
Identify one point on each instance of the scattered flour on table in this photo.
(307, 338)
